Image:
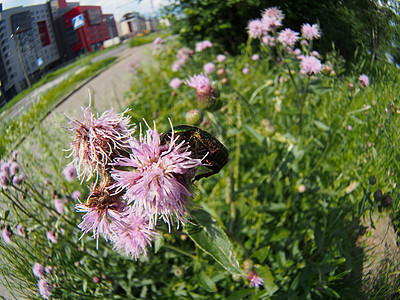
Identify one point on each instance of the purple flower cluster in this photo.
(364, 80)
(182, 58)
(203, 45)
(205, 92)
(45, 289)
(266, 30)
(145, 181)
(9, 172)
(97, 140)
(158, 41)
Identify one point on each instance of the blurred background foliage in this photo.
(368, 25)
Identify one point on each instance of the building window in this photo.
(43, 33)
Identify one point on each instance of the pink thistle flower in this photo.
(101, 208)
(48, 269)
(349, 128)
(245, 70)
(221, 58)
(160, 184)
(255, 57)
(209, 68)
(273, 12)
(203, 45)
(177, 65)
(6, 235)
(255, 29)
(310, 32)
(175, 83)
(310, 65)
(38, 270)
(184, 53)
(98, 140)
(304, 43)
(14, 155)
(272, 18)
(204, 90)
(13, 168)
(51, 236)
(70, 173)
(4, 180)
(255, 280)
(364, 80)
(200, 82)
(134, 236)
(45, 288)
(288, 37)
(76, 195)
(315, 53)
(268, 40)
(158, 41)
(20, 230)
(59, 205)
(5, 168)
(297, 51)
(17, 180)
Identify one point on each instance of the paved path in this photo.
(109, 87)
(108, 90)
(23, 104)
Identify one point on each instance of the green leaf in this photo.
(206, 282)
(253, 133)
(210, 238)
(269, 284)
(241, 294)
(261, 254)
(321, 125)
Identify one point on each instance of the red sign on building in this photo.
(93, 32)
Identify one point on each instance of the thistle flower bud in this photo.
(221, 72)
(248, 265)
(178, 271)
(386, 201)
(96, 279)
(378, 195)
(194, 117)
(351, 86)
(224, 81)
(372, 180)
(205, 92)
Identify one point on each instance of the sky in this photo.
(118, 7)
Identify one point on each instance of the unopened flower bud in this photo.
(351, 86)
(378, 195)
(236, 278)
(386, 201)
(301, 188)
(327, 69)
(96, 279)
(248, 265)
(224, 81)
(178, 272)
(194, 117)
(221, 72)
(372, 180)
(206, 100)
(183, 237)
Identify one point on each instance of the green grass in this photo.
(302, 150)
(149, 38)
